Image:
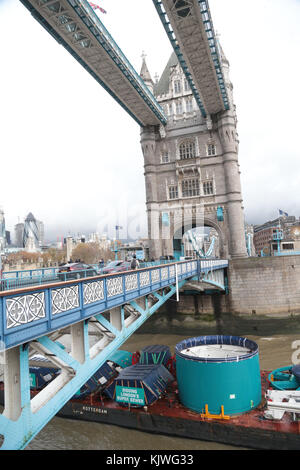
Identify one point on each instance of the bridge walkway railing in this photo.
(16, 279)
(35, 311)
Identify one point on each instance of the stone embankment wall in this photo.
(257, 286)
(268, 285)
(200, 304)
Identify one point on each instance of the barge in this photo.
(167, 415)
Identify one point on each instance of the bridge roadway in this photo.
(112, 306)
(189, 26)
(75, 25)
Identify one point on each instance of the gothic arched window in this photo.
(189, 105)
(178, 106)
(177, 86)
(187, 149)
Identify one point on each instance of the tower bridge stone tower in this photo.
(192, 174)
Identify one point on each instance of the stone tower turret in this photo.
(145, 74)
(191, 166)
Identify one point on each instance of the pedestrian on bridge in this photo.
(134, 263)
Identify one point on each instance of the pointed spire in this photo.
(162, 86)
(145, 74)
(224, 59)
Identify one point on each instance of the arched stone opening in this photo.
(180, 230)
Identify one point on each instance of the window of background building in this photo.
(177, 86)
(165, 158)
(208, 187)
(288, 246)
(179, 108)
(186, 85)
(190, 188)
(189, 105)
(211, 150)
(187, 149)
(173, 192)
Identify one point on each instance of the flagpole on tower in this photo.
(96, 7)
(279, 217)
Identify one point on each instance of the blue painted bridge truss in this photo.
(189, 26)
(98, 314)
(75, 26)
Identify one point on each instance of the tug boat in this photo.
(211, 389)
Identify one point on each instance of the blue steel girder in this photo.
(74, 24)
(218, 285)
(36, 412)
(32, 318)
(213, 272)
(189, 26)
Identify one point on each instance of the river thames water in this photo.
(276, 340)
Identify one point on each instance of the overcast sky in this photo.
(72, 156)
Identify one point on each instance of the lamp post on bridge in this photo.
(117, 227)
(2, 252)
